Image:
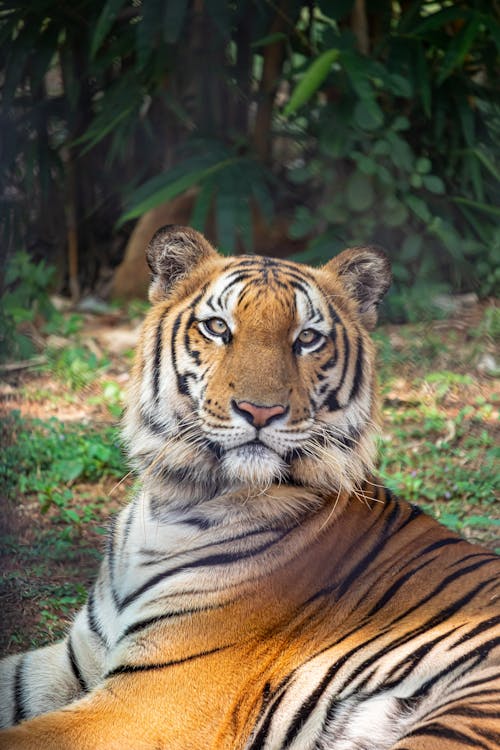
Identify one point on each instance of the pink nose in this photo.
(259, 416)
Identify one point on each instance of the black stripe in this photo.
(449, 580)
(332, 401)
(470, 711)
(441, 731)
(91, 617)
(367, 534)
(128, 524)
(479, 655)
(240, 277)
(398, 583)
(110, 552)
(308, 706)
(387, 536)
(75, 666)
(157, 355)
(214, 543)
(201, 523)
(461, 560)
(150, 423)
(193, 353)
(330, 363)
(408, 663)
(181, 380)
(483, 681)
(19, 710)
(485, 625)
(358, 371)
(133, 668)
(333, 313)
(303, 713)
(142, 624)
(487, 733)
(217, 559)
(260, 737)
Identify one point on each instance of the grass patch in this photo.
(47, 457)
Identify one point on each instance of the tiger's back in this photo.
(261, 591)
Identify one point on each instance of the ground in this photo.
(63, 472)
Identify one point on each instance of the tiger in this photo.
(263, 590)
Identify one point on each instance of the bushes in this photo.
(385, 130)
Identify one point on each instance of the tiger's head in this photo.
(253, 371)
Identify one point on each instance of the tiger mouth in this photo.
(253, 447)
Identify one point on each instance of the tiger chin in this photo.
(262, 591)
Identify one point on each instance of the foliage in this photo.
(406, 148)
(76, 365)
(389, 137)
(25, 299)
(438, 446)
(427, 459)
(46, 457)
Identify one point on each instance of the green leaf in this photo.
(368, 115)
(202, 205)
(401, 123)
(494, 29)
(147, 29)
(399, 86)
(365, 164)
(69, 470)
(359, 192)
(434, 184)
(173, 19)
(487, 163)
(423, 165)
(423, 78)
(401, 154)
(311, 80)
(411, 247)
(104, 24)
(439, 19)
(171, 189)
(303, 223)
(269, 39)
(493, 210)
(226, 213)
(263, 198)
(335, 9)
(396, 214)
(466, 116)
(458, 48)
(419, 208)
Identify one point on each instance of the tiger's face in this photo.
(254, 371)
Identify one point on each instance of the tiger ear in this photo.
(172, 253)
(366, 274)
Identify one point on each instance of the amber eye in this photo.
(216, 326)
(308, 337)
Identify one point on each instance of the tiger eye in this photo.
(308, 336)
(216, 326)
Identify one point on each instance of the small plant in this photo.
(47, 457)
(489, 325)
(76, 365)
(24, 301)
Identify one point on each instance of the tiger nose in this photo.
(258, 416)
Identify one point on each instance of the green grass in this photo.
(47, 457)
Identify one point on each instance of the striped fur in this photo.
(261, 591)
